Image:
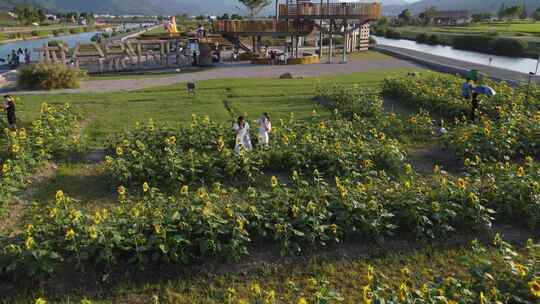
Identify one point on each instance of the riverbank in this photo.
(527, 32)
(49, 33)
(453, 66)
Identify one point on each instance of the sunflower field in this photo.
(183, 197)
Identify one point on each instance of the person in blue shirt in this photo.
(469, 92)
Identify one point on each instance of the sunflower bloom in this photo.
(520, 172)
(482, 298)
(333, 228)
(462, 184)
(302, 300)
(40, 300)
(70, 234)
(534, 287)
(274, 182)
(92, 231)
(146, 187)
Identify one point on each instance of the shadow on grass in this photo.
(87, 183)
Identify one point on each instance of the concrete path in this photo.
(234, 70)
(454, 66)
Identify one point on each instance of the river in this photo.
(523, 65)
(70, 40)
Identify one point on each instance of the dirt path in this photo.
(236, 70)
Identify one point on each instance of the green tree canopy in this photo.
(405, 16)
(255, 6)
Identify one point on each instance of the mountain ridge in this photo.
(475, 6)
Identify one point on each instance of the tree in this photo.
(405, 16)
(428, 15)
(255, 6)
(510, 12)
(523, 15)
(536, 14)
(383, 22)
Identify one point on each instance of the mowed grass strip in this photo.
(104, 114)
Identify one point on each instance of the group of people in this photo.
(243, 137)
(18, 57)
(276, 58)
(9, 108)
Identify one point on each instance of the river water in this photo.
(70, 40)
(523, 65)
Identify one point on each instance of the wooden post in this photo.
(320, 30)
(345, 40)
(139, 54)
(330, 42)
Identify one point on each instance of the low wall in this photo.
(436, 66)
(291, 61)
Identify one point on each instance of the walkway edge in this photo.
(436, 66)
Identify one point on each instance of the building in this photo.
(452, 18)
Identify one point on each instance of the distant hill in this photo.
(133, 7)
(151, 7)
(478, 6)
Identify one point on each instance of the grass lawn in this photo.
(106, 113)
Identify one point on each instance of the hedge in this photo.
(491, 45)
(392, 34)
(473, 43)
(433, 40)
(422, 38)
(45, 76)
(509, 47)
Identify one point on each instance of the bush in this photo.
(53, 43)
(433, 40)
(392, 34)
(422, 38)
(76, 30)
(49, 76)
(509, 47)
(372, 41)
(380, 32)
(491, 45)
(40, 33)
(473, 43)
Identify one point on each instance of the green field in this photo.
(107, 113)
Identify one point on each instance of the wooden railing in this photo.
(346, 9)
(261, 26)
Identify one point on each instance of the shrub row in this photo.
(428, 39)
(487, 44)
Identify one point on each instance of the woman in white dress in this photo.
(265, 127)
(243, 139)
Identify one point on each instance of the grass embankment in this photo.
(529, 32)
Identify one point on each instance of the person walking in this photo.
(243, 139)
(9, 107)
(27, 56)
(20, 53)
(468, 92)
(265, 127)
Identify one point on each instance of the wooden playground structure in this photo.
(295, 19)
